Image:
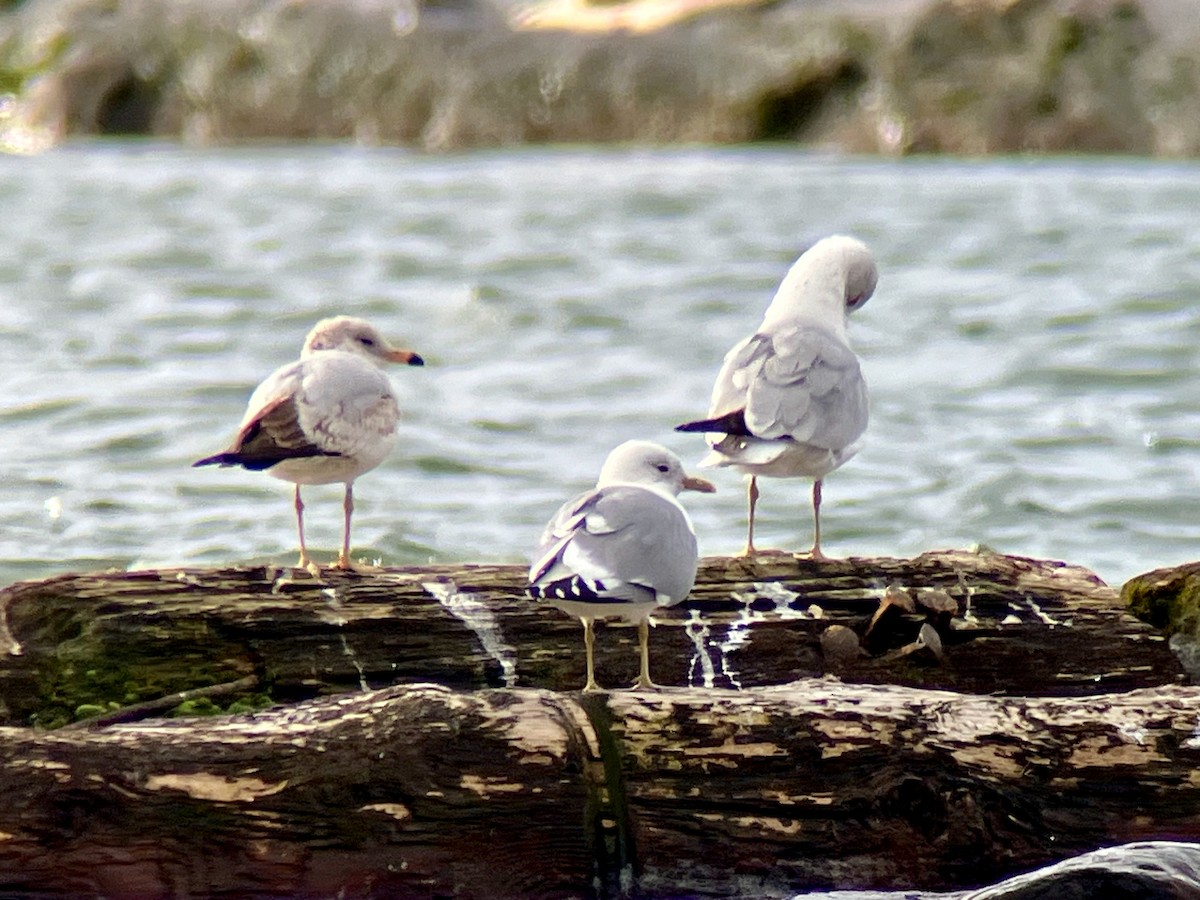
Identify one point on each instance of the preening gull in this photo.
(623, 549)
(790, 400)
(326, 418)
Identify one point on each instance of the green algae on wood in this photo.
(82, 651)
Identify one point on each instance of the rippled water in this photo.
(1031, 349)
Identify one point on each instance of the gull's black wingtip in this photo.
(730, 423)
(257, 462)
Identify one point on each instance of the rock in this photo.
(1025, 75)
(1152, 870)
(1169, 599)
(1147, 870)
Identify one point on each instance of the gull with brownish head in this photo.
(624, 549)
(790, 400)
(326, 418)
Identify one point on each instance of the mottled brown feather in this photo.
(269, 438)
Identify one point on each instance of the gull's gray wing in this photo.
(624, 542)
(799, 381)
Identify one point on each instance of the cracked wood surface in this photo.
(419, 790)
(87, 644)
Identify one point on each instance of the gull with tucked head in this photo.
(326, 418)
(790, 400)
(623, 549)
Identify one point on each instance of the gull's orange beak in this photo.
(695, 483)
(407, 357)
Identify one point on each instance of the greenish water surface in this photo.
(1031, 348)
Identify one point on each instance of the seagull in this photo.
(326, 418)
(623, 549)
(790, 400)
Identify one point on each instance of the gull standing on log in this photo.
(790, 400)
(623, 549)
(325, 419)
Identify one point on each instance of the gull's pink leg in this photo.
(348, 508)
(815, 552)
(752, 499)
(303, 562)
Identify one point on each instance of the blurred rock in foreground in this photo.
(888, 76)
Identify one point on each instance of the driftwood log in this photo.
(81, 645)
(418, 790)
(934, 723)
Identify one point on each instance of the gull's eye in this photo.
(663, 467)
(366, 341)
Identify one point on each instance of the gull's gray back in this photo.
(631, 539)
(800, 381)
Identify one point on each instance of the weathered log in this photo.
(418, 790)
(86, 644)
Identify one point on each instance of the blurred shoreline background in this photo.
(859, 76)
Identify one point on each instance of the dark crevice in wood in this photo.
(620, 858)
